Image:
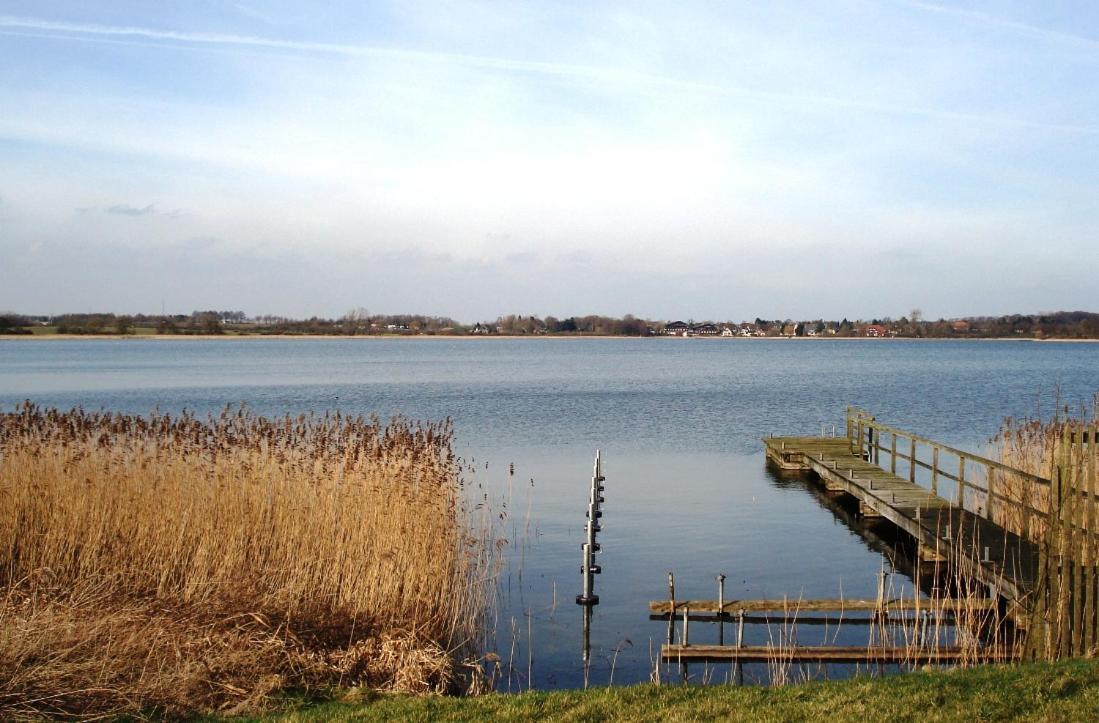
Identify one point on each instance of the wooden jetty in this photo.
(960, 531)
(1031, 541)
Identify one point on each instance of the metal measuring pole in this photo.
(588, 568)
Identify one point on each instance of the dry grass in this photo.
(158, 565)
(1029, 444)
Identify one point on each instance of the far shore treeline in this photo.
(1053, 325)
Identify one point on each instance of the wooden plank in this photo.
(664, 607)
(829, 654)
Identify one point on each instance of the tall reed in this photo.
(1029, 444)
(170, 565)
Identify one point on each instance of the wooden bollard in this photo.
(721, 609)
(738, 668)
(686, 620)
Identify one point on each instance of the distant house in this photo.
(746, 329)
(726, 331)
(676, 328)
(705, 330)
(789, 329)
(480, 328)
(875, 330)
(960, 326)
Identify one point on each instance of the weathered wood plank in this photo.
(829, 654)
(893, 605)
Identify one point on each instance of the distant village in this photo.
(360, 322)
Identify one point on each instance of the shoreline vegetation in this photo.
(1063, 691)
(455, 337)
(1061, 325)
(171, 566)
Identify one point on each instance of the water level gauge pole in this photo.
(588, 568)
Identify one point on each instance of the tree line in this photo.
(360, 322)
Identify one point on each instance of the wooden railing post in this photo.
(961, 483)
(990, 476)
(912, 460)
(934, 470)
(850, 432)
(893, 453)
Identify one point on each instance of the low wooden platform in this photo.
(827, 654)
(941, 530)
(732, 607)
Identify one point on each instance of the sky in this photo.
(725, 160)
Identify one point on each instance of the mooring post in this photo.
(738, 668)
(686, 621)
(881, 593)
(671, 610)
(721, 609)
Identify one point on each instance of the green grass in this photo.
(1066, 691)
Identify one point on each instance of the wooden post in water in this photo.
(720, 609)
(686, 622)
(671, 612)
(738, 668)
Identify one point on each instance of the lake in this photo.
(679, 422)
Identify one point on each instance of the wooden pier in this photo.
(960, 531)
(1029, 542)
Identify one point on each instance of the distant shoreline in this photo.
(481, 337)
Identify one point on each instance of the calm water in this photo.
(679, 423)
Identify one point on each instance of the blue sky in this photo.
(719, 159)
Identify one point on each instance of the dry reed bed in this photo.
(168, 565)
(1030, 444)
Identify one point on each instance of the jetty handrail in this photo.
(864, 433)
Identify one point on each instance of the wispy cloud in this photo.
(1006, 24)
(126, 210)
(590, 73)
